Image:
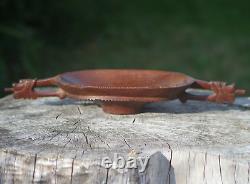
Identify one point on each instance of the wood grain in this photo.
(63, 141)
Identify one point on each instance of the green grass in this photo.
(200, 52)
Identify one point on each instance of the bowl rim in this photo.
(186, 82)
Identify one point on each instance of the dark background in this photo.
(208, 40)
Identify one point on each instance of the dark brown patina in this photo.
(125, 91)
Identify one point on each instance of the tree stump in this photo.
(65, 141)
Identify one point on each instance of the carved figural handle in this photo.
(26, 89)
(222, 93)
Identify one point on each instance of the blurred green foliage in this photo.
(208, 40)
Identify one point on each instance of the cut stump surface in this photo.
(65, 141)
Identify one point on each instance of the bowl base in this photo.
(122, 108)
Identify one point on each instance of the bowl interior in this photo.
(126, 78)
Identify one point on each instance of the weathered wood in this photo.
(53, 141)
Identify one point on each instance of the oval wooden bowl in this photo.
(125, 91)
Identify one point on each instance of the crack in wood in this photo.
(34, 169)
(220, 169)
(204, 169)
(66, 143)
(104, 142)
(72, 170)
(235, 168)
(70, 139)
(55, 135)
(126, 143)
(82, 153)
(67, 135)
(79, 110)
(170, 162)
(76, 126)
(159, 138)
(107, 176)
(133, 120)
(58, 115)
(87, 140)
(98, 136)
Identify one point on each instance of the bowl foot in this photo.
(122, 108)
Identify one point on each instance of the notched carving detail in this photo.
(23, 89)
(224, 93)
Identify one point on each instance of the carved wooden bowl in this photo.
(125, 91)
